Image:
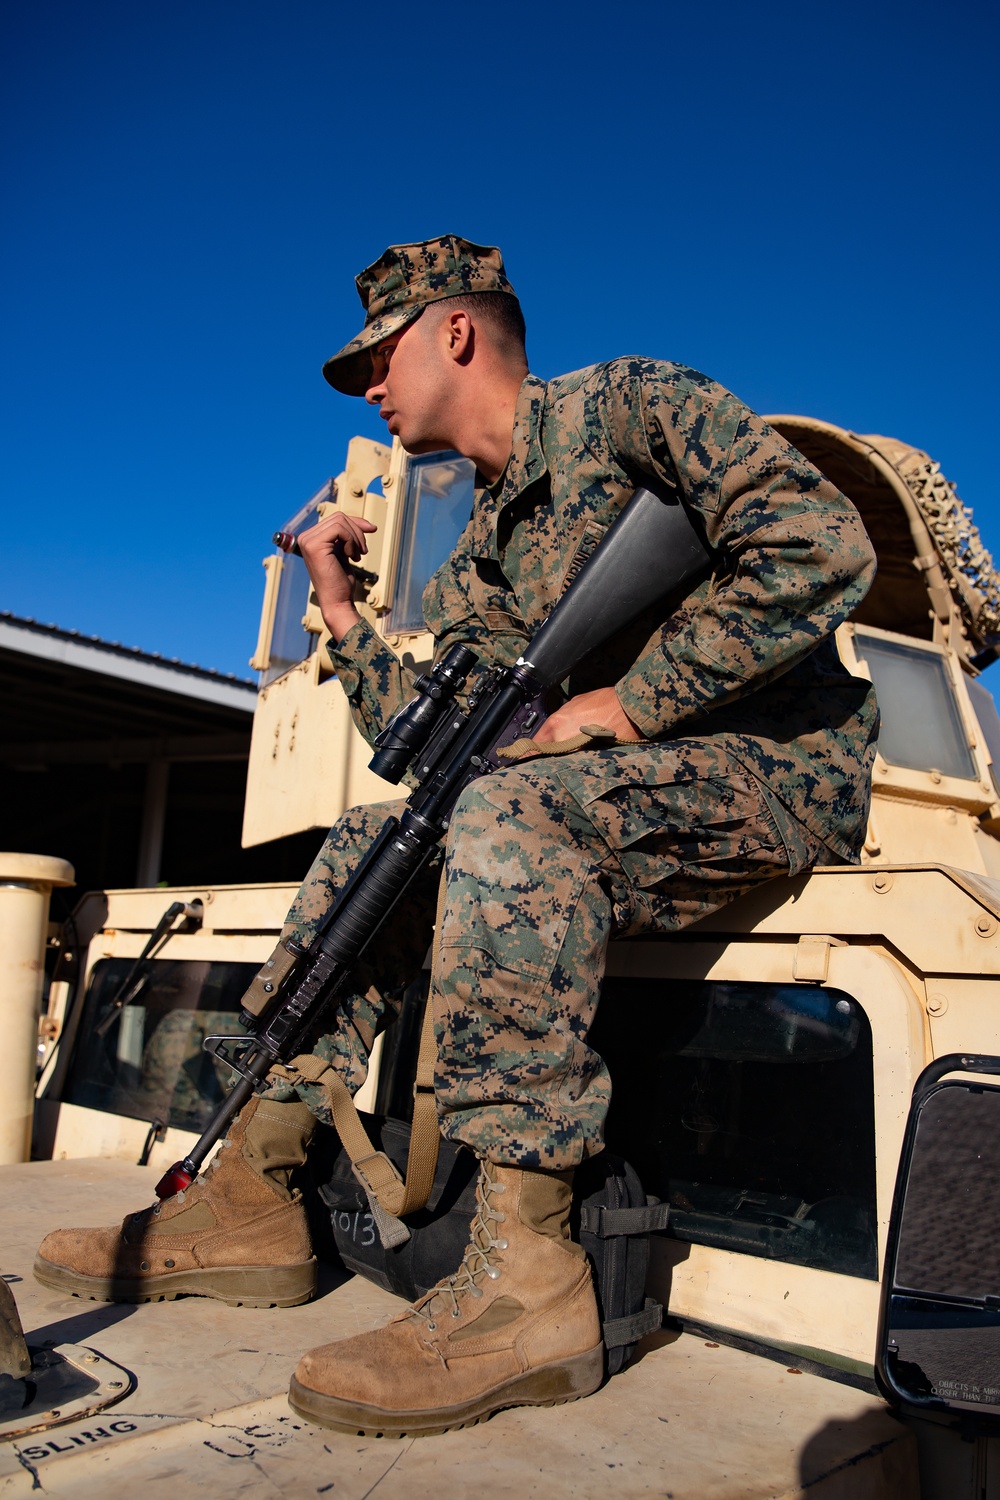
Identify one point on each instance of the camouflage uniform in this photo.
(756, 761)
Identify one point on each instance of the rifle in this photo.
(649, 552)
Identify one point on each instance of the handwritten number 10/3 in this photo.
(350, 1224)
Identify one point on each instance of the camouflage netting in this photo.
(899, 599)
(970, 569)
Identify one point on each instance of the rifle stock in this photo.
(650, 551)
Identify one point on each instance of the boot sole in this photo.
(239, 1286)
(550, 1385)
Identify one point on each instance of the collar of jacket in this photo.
(525, 465)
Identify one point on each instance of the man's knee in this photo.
(518, 871)
(523, 802)
(347, 842)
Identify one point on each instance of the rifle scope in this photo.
(408, 731)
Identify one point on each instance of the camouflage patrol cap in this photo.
(396, 289)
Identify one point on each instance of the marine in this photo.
(735, 748)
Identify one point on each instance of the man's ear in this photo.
(458, 335)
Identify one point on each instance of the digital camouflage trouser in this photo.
(545, 862)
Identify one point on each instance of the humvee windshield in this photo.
(438, 503)
(150, 1063)
(290, 643)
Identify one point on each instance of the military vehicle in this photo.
(832, 1316)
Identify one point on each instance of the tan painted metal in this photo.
(923, 532)
(227, 908)
(368, 463)
(261, 659)
(770, 1300)
(843, 899)
(307, 760)
(26, 882)
(65, 1132)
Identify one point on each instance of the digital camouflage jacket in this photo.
(749, 655)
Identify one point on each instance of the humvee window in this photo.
(438, 503)
(922, 728)
(290, 643)
(750, 1107)
(150, 1064)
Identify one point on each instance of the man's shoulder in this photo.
(621, 374)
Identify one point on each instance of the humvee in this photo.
(805, 1076)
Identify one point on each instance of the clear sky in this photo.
(798, 198)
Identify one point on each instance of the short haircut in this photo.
(501, 312)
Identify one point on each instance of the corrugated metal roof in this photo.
(89, 653)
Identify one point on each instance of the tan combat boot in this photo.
(237, 1233)
(517, 1325)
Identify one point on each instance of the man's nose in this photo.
(375, 394)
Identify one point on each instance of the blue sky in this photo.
(799, 199)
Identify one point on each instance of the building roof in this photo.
(89, 653)
(73, 698)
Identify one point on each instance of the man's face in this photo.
(410, 386)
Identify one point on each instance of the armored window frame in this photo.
(975, 791)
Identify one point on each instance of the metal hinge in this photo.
(812, 956)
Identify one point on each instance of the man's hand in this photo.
(598, 707)
(326, 549)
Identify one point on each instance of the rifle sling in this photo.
(389, 1196)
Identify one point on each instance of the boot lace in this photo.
(153, 1212)
(477, 1262)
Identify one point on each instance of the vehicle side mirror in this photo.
(939, 1329)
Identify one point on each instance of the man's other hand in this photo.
(598, 707)
(326, 549)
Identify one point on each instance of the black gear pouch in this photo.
(439, 1232)
(611, 1218)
